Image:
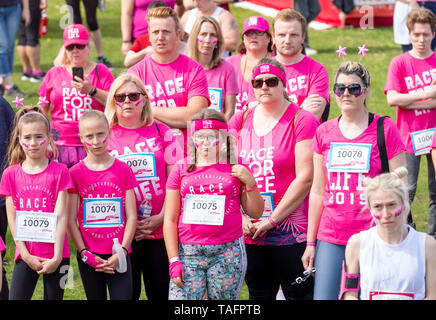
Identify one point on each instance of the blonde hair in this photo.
(357, 69)
(290, 15)
(93, 115)
(389, 182)
(110, 109)
(163, 13)
(26, 115)
(192, 42)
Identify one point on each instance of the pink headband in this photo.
(268, 68)
(208, 124)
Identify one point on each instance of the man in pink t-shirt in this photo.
(307, 80)
(411, 87)
(176, 85)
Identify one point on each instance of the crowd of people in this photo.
(196, 170)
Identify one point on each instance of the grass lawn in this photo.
(381, 50)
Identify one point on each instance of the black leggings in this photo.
(29, 35)
(150, 259)
(268, 267)
(24, 280)
(96, 283)
(90, 11)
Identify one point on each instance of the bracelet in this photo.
(174, 259)
(92, 92)
(275, 225)
(311, 243)
(127, 251)
(127, 41)
(251, 189)
(80, 252)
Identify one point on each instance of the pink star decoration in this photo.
(363, 50)
(42, 101)
(18, 102)
(341, 51)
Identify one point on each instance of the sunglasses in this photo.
(251, 33)
(134, 96)
(354, 89)
(270, 82)
(78, 46)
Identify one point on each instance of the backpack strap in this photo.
(381, 142)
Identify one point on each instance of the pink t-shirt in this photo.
(407, 74)
(110, 183)
(139, 16)
(433, 143)
(245, 90)
(158, 140)
(342, 215)
(216, 179)
(68, 103)
(2, 245)
(271, 160)
(221, 82)
(36, 192)
(305, 78)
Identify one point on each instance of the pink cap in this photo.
(255, 23)
(75, 34)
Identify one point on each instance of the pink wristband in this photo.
(275, 225)
(251, 189)
(89, 259)
(310, 243)
(176, 269)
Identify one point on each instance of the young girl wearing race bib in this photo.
(102, 212)
(391, 261)
(202, 221)
(36, 194)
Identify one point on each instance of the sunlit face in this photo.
(78, 57)
(207, 143)
(269, 94)
(129, 109)
(421, 36)
(255, 40)
(94, 134)
(386, 209)
(34, 139)
(207, 39)
(288, 37)
(164, 37)
(347, 102)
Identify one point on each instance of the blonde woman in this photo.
(150, 149)
(205, 46)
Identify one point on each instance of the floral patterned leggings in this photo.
(219, 269)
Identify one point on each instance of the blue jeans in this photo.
(328, 265)
(10, 18)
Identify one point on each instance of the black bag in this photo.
(345, 6)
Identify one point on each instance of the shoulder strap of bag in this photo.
(381, 142)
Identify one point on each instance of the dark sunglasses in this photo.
(134, 96)
(354, 89)
(78, 46)
(270, 82)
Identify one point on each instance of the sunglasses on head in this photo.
(354, 89)
(270, 82)
(121, 97)
(78, 46)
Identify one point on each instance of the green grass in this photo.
(381, 50)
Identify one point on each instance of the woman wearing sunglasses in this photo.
(205, 46)
(270, 136)
(345, 152)
(256, 44)
(149, 148)
(70, 89)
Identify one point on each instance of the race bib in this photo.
(143, 164)
(35, 226)
(215, 95)
(204, 209)
(349, 157)
(102, 213)
(421, 141)
(384, 295)
(268, 200)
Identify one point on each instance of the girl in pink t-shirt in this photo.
(36, 194)
(102, 211)
(202, 223)
(345, 152)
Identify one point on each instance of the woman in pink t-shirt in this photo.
(274, 141)
(205, 46)
(150, 148)
(102, 212)
(256, 44)
(70, 94)
(203, 224)
(36, 192)
(345, 152)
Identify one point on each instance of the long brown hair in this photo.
(211, 114)
(25, 115)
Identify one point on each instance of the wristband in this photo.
(127, 251)
(92, 92)
(80, 252)
(251, 189)
(174, 259)
(89, 259)
(127, 41)
(176, 269)
(310, 243)
(275, 225)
